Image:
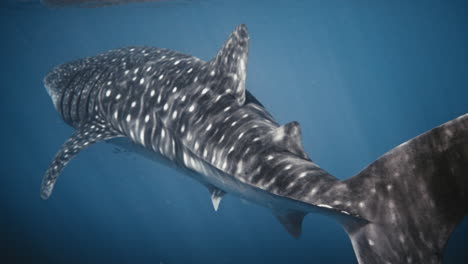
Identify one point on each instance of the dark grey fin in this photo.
(231, 61)
(413, 197)
(216, 195)
(250, 99)
(291, 220)
(86, 135)
(289, 138)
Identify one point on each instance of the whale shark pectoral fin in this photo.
(289, 137)
(231, 61)
(291, 220)
(216, 195)
(86, 135)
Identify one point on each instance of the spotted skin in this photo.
(198, 117)
(86, 135)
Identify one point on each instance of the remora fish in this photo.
(198, 116)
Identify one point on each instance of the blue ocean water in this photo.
(361, 77)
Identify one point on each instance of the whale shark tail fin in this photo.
(413, 197)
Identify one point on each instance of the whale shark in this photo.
(198, 117)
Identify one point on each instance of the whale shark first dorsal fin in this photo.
(289, 137)
(87, 134)
(231, 61)
(251, 99)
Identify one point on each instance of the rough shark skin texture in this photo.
(197, 116)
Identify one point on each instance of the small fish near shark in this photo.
(198, 116)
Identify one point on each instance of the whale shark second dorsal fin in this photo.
(289, 137)
(87, 134)
(231, 61)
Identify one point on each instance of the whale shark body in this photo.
(199, 117)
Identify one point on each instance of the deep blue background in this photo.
(360, 76)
